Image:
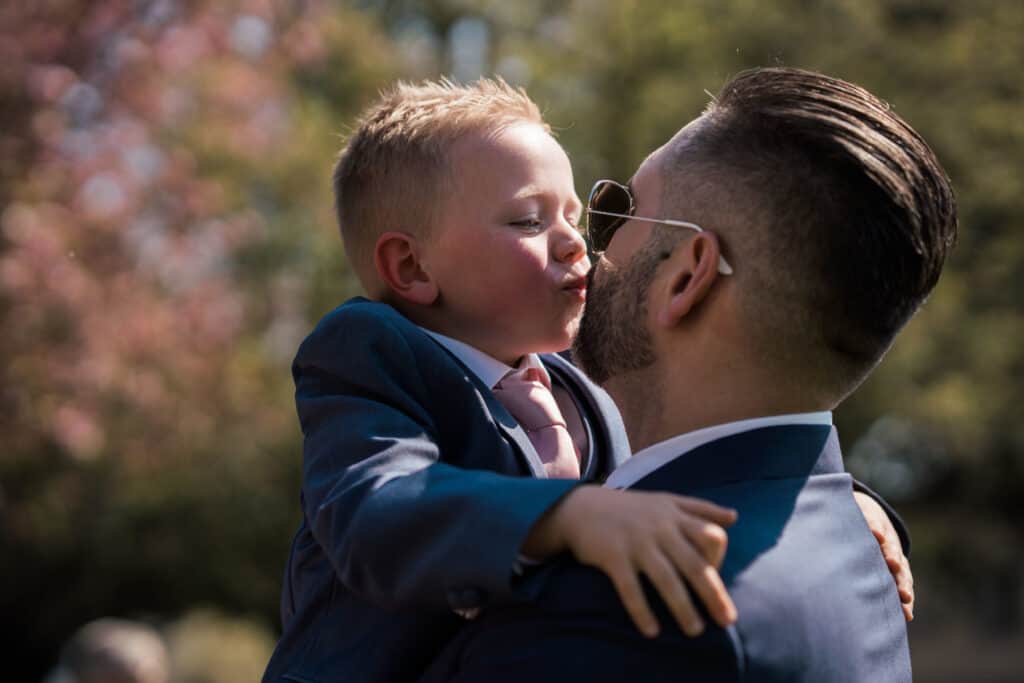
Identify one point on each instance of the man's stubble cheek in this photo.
(613, 337)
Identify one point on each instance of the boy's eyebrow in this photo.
(537, 193)
(530, 192)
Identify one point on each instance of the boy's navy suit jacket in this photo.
(418, 490)
(816, 601)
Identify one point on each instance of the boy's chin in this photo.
(556, 341)
(564, 340)
(572, 328)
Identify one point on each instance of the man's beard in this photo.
(613, 337)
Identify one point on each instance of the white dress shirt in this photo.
(488, 369)
(651, 458)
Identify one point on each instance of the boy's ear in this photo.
(397, 259)
(693, 270)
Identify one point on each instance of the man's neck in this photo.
(657, 404)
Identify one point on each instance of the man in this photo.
(754, 273)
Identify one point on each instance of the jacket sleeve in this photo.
(578, 630)
(401, 527)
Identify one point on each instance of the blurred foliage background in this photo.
(167, 239)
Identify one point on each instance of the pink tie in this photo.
(526, 394)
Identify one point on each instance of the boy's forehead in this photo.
(512, 153)
(515, 139)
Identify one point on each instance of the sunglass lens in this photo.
(612, 198)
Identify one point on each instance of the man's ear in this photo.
(693, 270)
(397, 259)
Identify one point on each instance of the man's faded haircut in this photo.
(847, 217)
(396, 170)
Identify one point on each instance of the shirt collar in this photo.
(488, 369)
(645, 461)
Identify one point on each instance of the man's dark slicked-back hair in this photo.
(858, 215)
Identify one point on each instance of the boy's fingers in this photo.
(667, 582)
(627, 585)
(897, 562)
(705, 582)
(900, 570)
(892, 551)
(883, 530)
(906, 584)
(710, 539)
(890, 545)
(909, 578)
(722, 516)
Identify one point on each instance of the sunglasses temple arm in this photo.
(723, 266)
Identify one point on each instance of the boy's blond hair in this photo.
(395, 169)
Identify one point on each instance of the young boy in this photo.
(422, 495)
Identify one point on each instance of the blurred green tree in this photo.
(167, 235)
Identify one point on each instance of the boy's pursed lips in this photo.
(576, 284)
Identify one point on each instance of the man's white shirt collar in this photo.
(488, 369)
(651, 458)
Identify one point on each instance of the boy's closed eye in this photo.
(535, 224)
(529, 223)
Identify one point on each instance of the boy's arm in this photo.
(400, 527)
(628, 534)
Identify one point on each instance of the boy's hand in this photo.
(665, 537)
(892, 551)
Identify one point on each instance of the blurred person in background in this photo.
(113, 651)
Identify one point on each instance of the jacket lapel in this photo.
(512, 431)
(503, 420)
(611, 446)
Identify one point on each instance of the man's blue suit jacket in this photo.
(418, 490)
(816, 601)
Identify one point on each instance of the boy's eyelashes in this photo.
(529, 223)
(535, 223)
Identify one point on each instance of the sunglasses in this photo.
(611, 204)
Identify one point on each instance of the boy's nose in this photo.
(570, 246)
